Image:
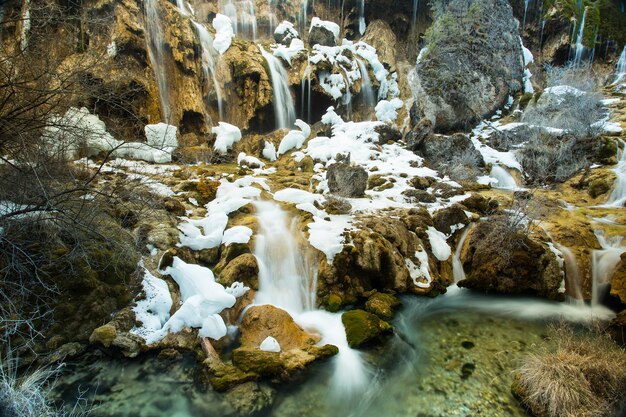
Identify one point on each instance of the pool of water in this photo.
(450, 356)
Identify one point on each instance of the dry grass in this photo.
(584, 376)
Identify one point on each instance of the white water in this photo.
(287, 280)
(284, 109)
(604, 262)
(361, 17)
(620, 72)
(504, 180)
(156, 47)
(525, 10)
(572, 272)
(414, 15)
(367, 91)
(618, 195)
(305, 93)
(579, 48)
(208, 62)
(243, 15)
(457, 266)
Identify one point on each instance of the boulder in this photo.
(382, 304)
(388, 133)
(442, 150)
(504, 261)
(618, 282)
(346, 180)
(363, 327)
(321, 35)
(446, 219)
(243, 268)
(380, 35)
(422, 130)
(419, 196)
(471, 65)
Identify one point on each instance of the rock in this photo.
(380, 35)
(381, 304)
(174, 206)
(319, 35)
(103, 335)
(442, 150)
(472, 64)
(336, 205)
(346, 180)
(250, 398)
(421, 183)
(243, 268)
(476, 203)
(618, 282)
(448, 217)
(598, 187)
(506, 262)
(419, 196)
(422, 131)
(363, 327)
(388, 133)
(333, 303)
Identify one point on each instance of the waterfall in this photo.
(156, 48)
(305, 93)
(284, 109)
(361, 17)
(208, 63)
(367, 91)
(618, 195)
(604, 262)
(288, 281)
(620, 72)
(504, 180)
(579, 48)
(243, 15)
(457, 266)
(414, 15)
(572, 272)
(526, 2)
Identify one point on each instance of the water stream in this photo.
(579, 47)
(367, 91)
(504, 179)
(284, 109)
(156, 53)
(604, 262)
(620, 71)
(617, 198)
(208, 63)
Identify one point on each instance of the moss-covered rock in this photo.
(598, 187)
(363, 327)
(383, 305)
(333, 302)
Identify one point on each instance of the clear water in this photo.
(450, 356)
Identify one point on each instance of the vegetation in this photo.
(584, 375)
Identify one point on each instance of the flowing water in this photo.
(618, 195)
(243, 15)
(457, 266)
(208, 63)
(504, 179)
(284, 109)
(579, 48)
(620, 71)
(367, 91)
(362, 17)
(156, 53)
(604, 262)
(305, 94)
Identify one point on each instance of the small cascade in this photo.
(346, 100)
(457, 266)
(504, 180)
(367, 91)
(604, 262)
(288, 281)
(362, 25)
(183, 8)
(208, 63)
(618, 195)
(579, 48)
(572, 273)
(243, 15)
(620, 71)
(284, 108)
(414, 14)
(526, 2)
(156, 49)
(305, 94)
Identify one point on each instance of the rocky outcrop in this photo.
(380, 35)
(472, 63)
(505, 261)
(320, 35)
(618, 282)
(346, 180)
(440, 150)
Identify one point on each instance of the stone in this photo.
(336, 205)
(363, 328)
(445, 219)
(243, 268)
(347, 180)
(422, 130)
(476, 203)
(381, 304)
(388, 133)
(250, 398)
(103, 335)
(618, 282)
(471, 64)
(382, 37)
(174, 206)
(442, 150)
(419, 196)
(319, 35)
(598, 187)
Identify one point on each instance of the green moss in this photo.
(333, 303)
(381, 304)
(363, 327)
(258, 361)
(598, 187)
(228, 376)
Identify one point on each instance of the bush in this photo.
(584, 375)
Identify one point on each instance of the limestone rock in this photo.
(380, 35)
(363, 327)
(244, 269)
(382, 304)
(618, 282)
(346, 180)
(320, 35)
(450, 217)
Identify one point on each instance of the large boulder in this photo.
(505, 261)
(440, 150)
(380, 35)
(323, 33)
(347, 180)
(471, 65)
(363, 327)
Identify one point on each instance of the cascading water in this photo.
(208, 62)
(287, 281)
(243, 15)
(156, 48)
(414, 14)
(284, 109)
(572, 273)
(526, 2)
(604, 262)
(305, 93)
(579, 47)
(618, 195)
(620, 71)
(367, 91)
(362, 17)
(457, 266)
(504, 180)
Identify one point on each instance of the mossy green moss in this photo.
(381, 304)
(363, 327)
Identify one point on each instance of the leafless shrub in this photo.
(463, 166)
(583, 376)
